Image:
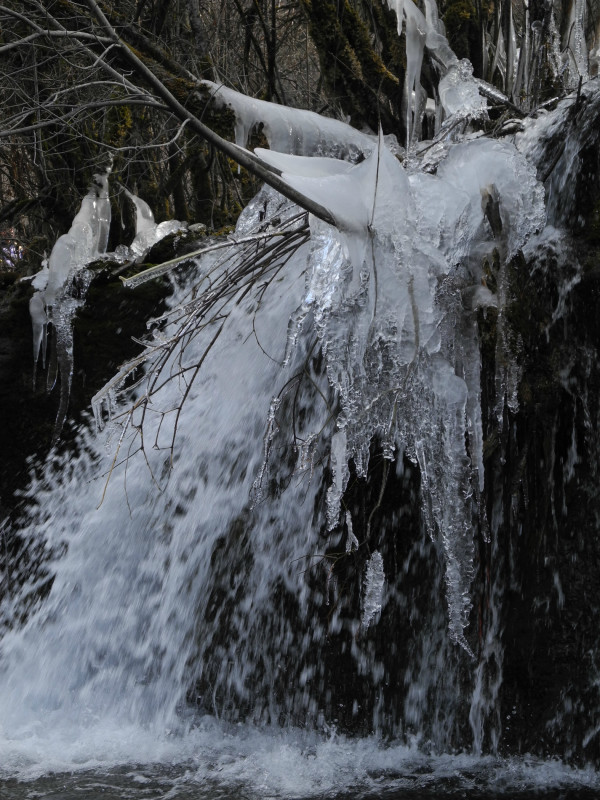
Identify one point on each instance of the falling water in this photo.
(261, 575)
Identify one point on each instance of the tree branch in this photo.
(58, 34)
(244, 158)
(48, 123)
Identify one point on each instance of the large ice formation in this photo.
(61, 284)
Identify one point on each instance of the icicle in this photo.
(499, 61)
(575, 46)
(373, 589)
(554, 54)
(144, 218)
(295, 326)
(39, 320)
(457, 88)
(520, 91)
(398, 7)
(102, 212)
(511, 52)
(351, 540)
(62, 318)
(415, 95)
(435, 40)
(270, 432)
(147, 232)
(339, 468)
(306, 454)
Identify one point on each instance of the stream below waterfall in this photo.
(211, 763)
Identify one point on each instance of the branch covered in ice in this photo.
(291, 130)
(167, 266)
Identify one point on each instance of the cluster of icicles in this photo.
(61, 284)
(393, 289)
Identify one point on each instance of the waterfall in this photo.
(291, 536)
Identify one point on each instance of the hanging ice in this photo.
(147, 231)
(385, 290)
(339, 466)
(373, 589)
(575, 46)
(351, 540)
(435, 41)
(415, 94)
(53, 302)
(86, 239)
(39, 321)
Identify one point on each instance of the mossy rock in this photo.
(363, 73)
(460, 19)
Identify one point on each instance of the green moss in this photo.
(460, 19)
(363, 73)
(119, 123)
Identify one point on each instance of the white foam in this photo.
(277, 763)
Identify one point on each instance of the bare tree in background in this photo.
(70, 96)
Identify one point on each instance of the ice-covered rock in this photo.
(53, 303)
(147, 231)
(62, 283)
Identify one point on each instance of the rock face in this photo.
(103, 329)
(20, 436)
(542, 571)
(543, 476)
(27, 422)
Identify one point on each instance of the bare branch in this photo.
(248, 160)
(51, 35)
(4, 134)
